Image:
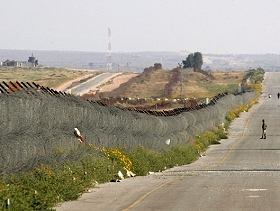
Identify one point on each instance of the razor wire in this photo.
(37, 124)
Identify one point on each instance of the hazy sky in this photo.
(207, 26)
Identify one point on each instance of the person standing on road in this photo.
(264, 126)
(278, 95)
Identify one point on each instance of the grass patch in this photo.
(48, 77)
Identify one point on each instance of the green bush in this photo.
(45, 186)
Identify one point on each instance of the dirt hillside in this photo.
(178, 83)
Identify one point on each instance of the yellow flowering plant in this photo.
(114, 154)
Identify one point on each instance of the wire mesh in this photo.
(37, 125)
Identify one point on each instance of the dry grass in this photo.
(194, 84)
(151, 86)
(199, 86)
(48, 77)
(116, 82)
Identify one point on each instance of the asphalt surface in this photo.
(91, 84)
(241, 173)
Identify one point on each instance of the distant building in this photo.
(32, 62)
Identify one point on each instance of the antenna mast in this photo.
(109, 59)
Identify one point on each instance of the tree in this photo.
(158, 66)
(198, 61)
(189, 62)
(193, 60)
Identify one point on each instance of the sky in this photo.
(206, 26)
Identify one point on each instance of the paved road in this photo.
(242, 173)
(91, 84)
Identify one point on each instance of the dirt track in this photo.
(117, 81)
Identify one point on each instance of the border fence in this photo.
(37, 124)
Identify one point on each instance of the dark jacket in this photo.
(264, 126)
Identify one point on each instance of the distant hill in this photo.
(138, 61)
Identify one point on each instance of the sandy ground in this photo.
(65, 85)
(116, 82)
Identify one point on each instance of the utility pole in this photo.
(181, 80)
(109, 58)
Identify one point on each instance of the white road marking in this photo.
(253, 189)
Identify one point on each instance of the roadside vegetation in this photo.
(46, 185)
(256, 78)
